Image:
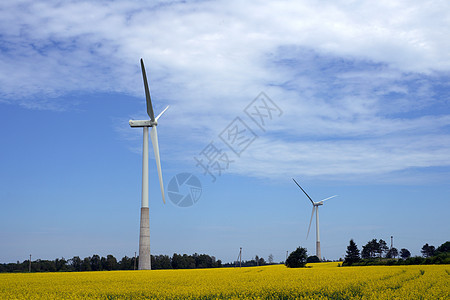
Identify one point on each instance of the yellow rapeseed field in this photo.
(320, 281)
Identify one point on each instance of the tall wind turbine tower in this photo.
(316, 210)
(144, 235)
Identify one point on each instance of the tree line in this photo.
(254, 262)
(376, 252)
(109, 263)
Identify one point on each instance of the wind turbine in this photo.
(316, 209)
(144, 235)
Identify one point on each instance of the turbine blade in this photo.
(161, 113)
(147, 93)
(154, 137)
(304, 191)
(328, 198)
(312, 215)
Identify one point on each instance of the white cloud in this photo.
(342, 159)
(360, 73)
(222, 41)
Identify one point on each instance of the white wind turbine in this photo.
(144, 235)
(316, 209)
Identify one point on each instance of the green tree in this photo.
(445, 247)
(427, 250)
(165, 262)
(261, 262)
(352, 253)
(312, 259)
(75, 263)
(203, 261)
(183, 261)
(61, 264)
(382, 248)
(370, 249)
(188, 262)
(96, 263)
(404, 253)
(111, 262)
(86, 264)
(392, 253)
(126, 263)
(161, 262)
(297, 259)
(102, 263)
(176, 261)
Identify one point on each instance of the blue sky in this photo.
(363, 92)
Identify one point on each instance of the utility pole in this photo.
(29, 265)
(134, 267)
(392, 241)
(240, 257)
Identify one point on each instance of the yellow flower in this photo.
(318, 281)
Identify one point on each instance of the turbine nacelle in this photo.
(147, 123)
(318, 203)
(142, 123)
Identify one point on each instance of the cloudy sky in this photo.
(350, 98)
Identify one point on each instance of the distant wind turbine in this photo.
(144, 235)
(316, 209)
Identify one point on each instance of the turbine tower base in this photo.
(318, 254)
(144, 241)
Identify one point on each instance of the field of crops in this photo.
(320, 281)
